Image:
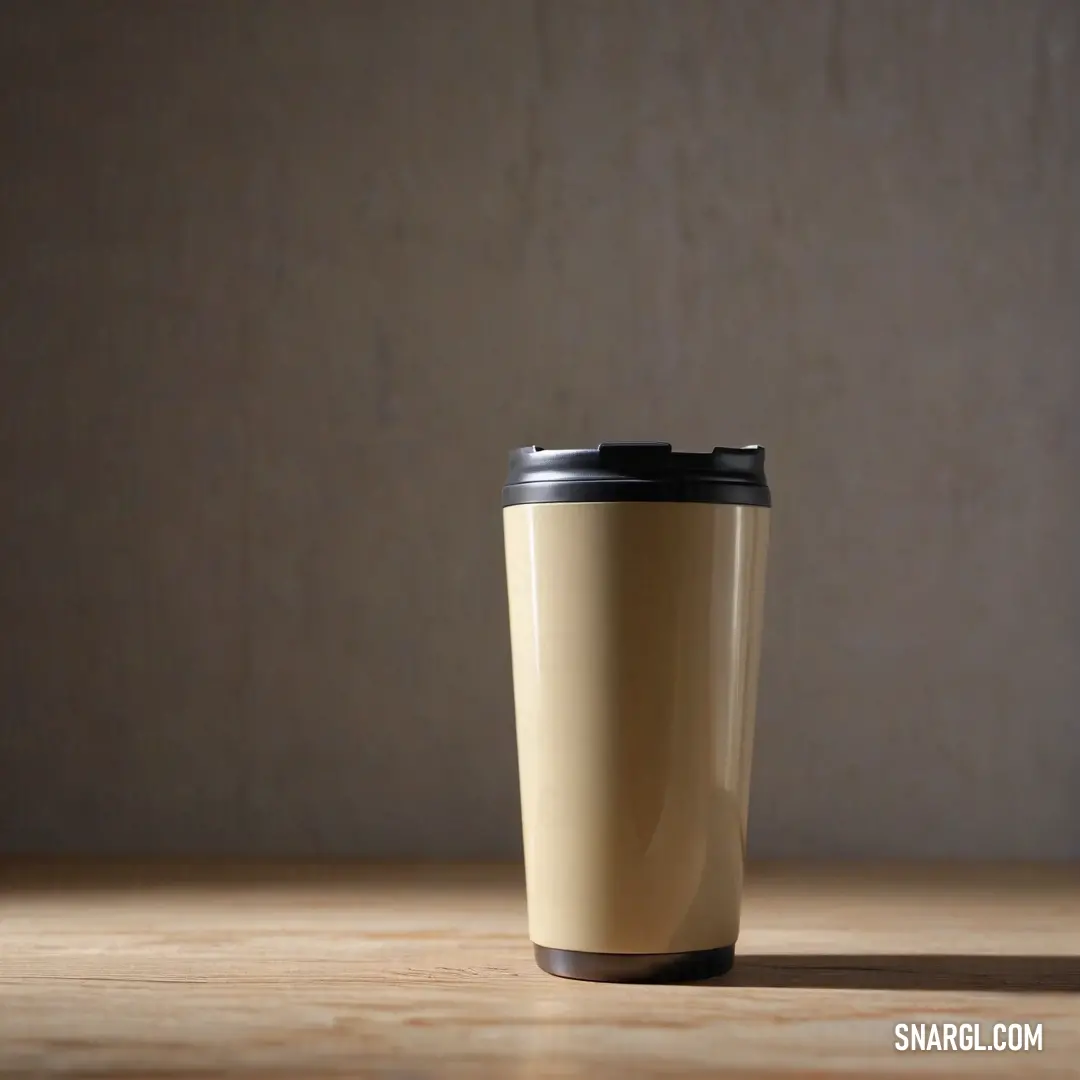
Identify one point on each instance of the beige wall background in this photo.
(281, 282)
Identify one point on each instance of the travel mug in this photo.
(636, 583)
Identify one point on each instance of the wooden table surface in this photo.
(230, 970)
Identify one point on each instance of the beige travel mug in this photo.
(636, 583)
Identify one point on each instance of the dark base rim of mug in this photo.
(681, 967)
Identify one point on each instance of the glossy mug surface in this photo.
(636, 635)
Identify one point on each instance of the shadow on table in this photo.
(992, 974)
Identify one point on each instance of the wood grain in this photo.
(307, 970)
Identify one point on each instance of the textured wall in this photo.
(283, 281)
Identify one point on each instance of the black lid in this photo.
(637, 472)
